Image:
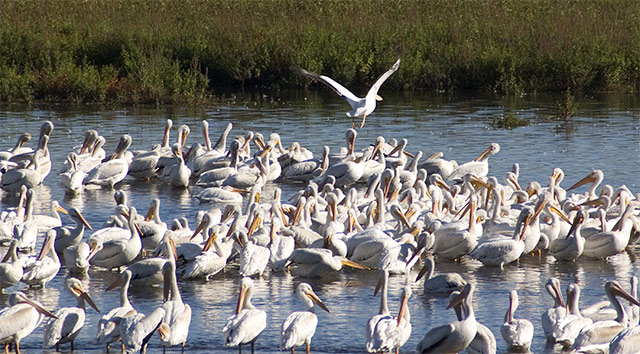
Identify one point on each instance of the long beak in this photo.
(166, 286)
(617, 290)
(39, 308)
(254, 225)
(484, 153)
(198, 229)
(297, 215)
(515, 182)
(94, 250)
(524, 227)
(209, 242)
(458, 299)
(137, 229)
(378, 287)
(311, 295)
(539, 209)
(423, 271)
(355, 265)
(173, 249)
(593, 202)
(403, 308)
(86, 223)
(62, 210)
(116, 283)
(46, 247)
(576, 222)
(582, 182)
(184, 139)
(88, 299)
(558, 292)
(150, 213)
(560, 213)
(241, 297)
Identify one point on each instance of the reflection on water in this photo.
(605, 134)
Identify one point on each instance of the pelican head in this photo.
(305, 290)
(75, 288)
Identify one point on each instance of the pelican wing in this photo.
(244, 327)
(309, 255)
(339, 89)
(109, 325)
(40, 270)
(434, 338)
(110, 249)
(296, 328)
(376, 86)
(15, 318)
(69, 321)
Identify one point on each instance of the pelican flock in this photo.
(351, 213)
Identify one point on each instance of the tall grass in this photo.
(182, 51)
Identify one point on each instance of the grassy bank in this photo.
(177, 51)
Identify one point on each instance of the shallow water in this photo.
(605, 134)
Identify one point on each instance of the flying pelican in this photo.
(518, 333)
(360, 106)
(445, 282)
(174, 328)
(247, 323)
(43, 269)
(597, 336)
(10, 272)
(20, 319)
(109, 324)
(385, 332)
(69, 320)
(119, 252)
(66, 236)
(453, 337)
(299, 327)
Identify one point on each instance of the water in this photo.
(605, 134)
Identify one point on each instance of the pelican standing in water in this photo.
(456, 336)
(361, 107)
(248, 322)
(518, 333)
(69, 320)
(385, 332)
(10, 272)
(174, 328)
(20, 319)
(445, 282)
(119, 252)
(67, 236)
(109, 324)
(43, 269)
(299, 327)
(110, 172)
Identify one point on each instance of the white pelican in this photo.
(152, 228)
(478, 167)
(20, 319)
(305, 171)
(69, 320)
(71, 180)
(453, 337)
(595, 177)
(112, 171)
(604, 244)
(247, 323)
(10, 272)
(221, 195)
(318, 262)
(109, 324)
(597, 336)
(518, 333)
(136, 329)
(145, 165)
(214, 177)
(26, 232)
(200, 163)
(174, 328)
(18, 148)
(280, 246)
(503, 251)
(209, 263)
(46, 222)
(360, 106)
(14, 179)
(572, 246)
(299, 327)
(435, 164)
(148, 271)
(178, 174)
(552, 315)
(67, 236)
(77, 258)
(119, 252)
(385, 332)
(484, 342)
(567, 328)
(445, 282)
(253, 258)
(43, 269)
(453, 244)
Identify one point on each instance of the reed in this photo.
(176, 51)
